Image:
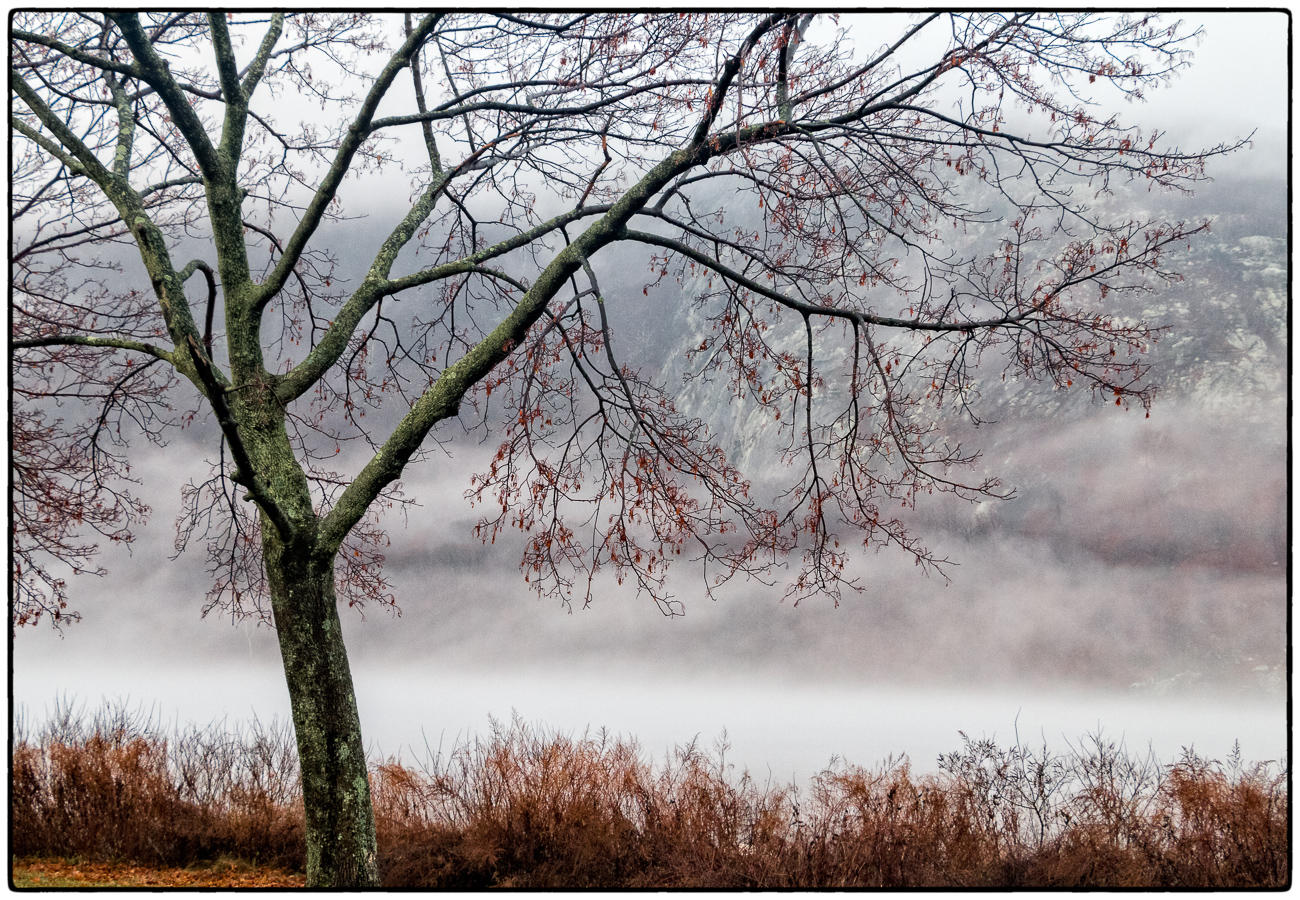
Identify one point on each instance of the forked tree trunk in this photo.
(340, 824)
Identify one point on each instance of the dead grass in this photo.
(115, 787)
(72, 873)
(524, 808)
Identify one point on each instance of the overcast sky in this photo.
(1019, 617)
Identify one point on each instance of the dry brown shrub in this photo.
(531, 809)
(115, 788)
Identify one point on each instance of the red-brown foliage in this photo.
(525, 808)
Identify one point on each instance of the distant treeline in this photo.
(526, 809)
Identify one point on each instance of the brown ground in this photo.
(56, 873)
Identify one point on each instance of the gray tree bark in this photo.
(340, 826)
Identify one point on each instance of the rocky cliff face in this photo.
(1168, 531)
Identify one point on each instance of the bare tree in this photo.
(808, 179)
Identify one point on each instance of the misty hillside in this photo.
(1137, 554)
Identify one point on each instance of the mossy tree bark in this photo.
(340, 826)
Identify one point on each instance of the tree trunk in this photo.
(340, 823)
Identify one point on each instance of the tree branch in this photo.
(450, 111)
(155, 72)
(125, 128)
(184, 275)
(791, 35)
(98, 62)
(356, 135)
(232, 92)
(170, 183)
(49, 146)
(442, 398)
(426, 127)
(149, 240)
(82, 340)
(257, 68)
(245, 473)
(300, 379)
(728, 74)
(86, 161)
(862, 318)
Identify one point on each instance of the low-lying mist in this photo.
(1138, 555)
